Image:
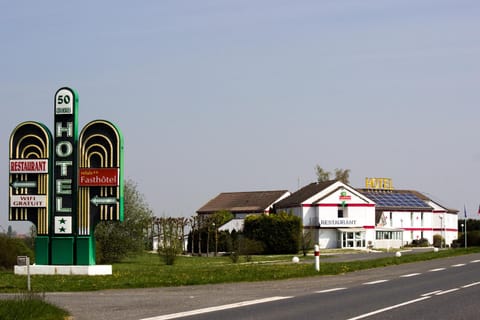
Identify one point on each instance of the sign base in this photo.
(96, 270)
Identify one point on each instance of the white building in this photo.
(339, 216)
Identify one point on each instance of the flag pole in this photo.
(465, 233)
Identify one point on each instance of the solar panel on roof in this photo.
(397, 200)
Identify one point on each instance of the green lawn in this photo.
(148, 270)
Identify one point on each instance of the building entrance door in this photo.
(352, 238)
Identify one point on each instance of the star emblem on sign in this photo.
(63, 225)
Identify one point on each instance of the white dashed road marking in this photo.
(458, 265)
(330, 290)
(410, 275)
(375, 282)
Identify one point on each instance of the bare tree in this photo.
(170, 242)
(193, 225)
(199, 228)
(182, 224)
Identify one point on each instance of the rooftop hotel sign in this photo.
(64, 184)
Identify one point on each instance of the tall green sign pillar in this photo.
(64, 177)
(65, 185)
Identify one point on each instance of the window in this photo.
(342, 212)
(389, 235)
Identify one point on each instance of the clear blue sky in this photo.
(216, 96)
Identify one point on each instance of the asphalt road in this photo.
(299, 298)
(447, 291)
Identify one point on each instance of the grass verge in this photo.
(148, 270)
(30, 306)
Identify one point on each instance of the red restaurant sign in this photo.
(98, 177)
(29, 166)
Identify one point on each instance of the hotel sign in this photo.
(65, 183)
(379, 183)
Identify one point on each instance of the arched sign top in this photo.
(30, 133)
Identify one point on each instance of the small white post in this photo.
(317, 257)
(28, 273)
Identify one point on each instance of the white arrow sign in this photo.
(105, 200)
(24, 184)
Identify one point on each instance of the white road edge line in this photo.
(375, 282)
(430, 293)
(471, 285)
(330, 290)
(446, 291)
(388, 308)
(217, 308)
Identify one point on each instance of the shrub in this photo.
(168, 254)
(116, 240)
(280, 233)
(473, 240)
(10, 248)
(245, 247)
(438, 241)
(420, 243)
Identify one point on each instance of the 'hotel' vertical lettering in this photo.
(63, 149)
(65, 156)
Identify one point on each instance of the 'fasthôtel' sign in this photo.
(96, 177)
